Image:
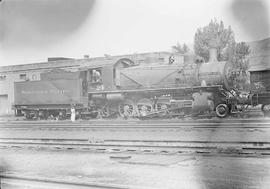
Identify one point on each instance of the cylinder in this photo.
(115, 97)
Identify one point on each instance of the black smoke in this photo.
(253, 15)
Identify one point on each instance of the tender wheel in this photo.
(126, 109)
(222, 110)
(108, 111)
(163, 105)
(145, 106)
(266, 109)
(163, 108)
(105, 112)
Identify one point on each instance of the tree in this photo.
(178, 48)
(213, 35)
(217, 36)
(240, 51)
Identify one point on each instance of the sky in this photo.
(31, 31)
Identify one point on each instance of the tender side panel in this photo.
(59, 74)
(48, 92)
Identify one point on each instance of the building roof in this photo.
(73, 63)
(259, 63)
(78, 63)
(259, 57)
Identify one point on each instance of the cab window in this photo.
(95, 76)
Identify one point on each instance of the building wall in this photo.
(11, 74)
(16, 73)
(7, 88)
(260, 80)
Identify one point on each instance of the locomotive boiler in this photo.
(190, 75)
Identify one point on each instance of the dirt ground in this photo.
(154, 171)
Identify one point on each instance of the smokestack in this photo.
(213, 54)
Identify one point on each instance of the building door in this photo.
(4, 107)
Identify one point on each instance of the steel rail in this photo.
(91, 141)
(141, 146)
(136, 125)
(137, 121)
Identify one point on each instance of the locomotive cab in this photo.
(94, 79)
(106, 78)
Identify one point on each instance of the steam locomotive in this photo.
(129, 90)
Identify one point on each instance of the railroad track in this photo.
(235, 148)
(136, 124)
(13, 181)
(138, 121)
